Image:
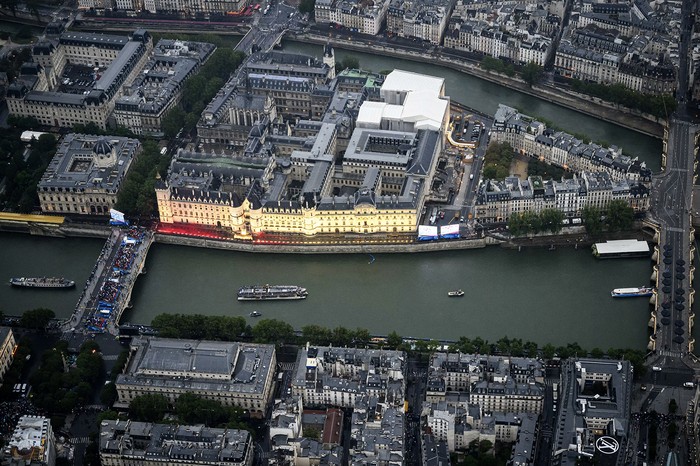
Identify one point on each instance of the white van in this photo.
(689, 385)
(656, 368)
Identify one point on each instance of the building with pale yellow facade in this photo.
(379, 187)
(7, 350)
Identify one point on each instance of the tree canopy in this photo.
(37, 319)
(532, 73)
(150, 407)
(497, 160)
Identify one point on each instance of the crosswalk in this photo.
(78, 440)
(110, 357)
(673, 354)
(287, 366)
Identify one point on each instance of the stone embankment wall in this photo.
(326, 249)
(588, 105)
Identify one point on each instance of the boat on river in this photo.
(632, 292)
(271, 292)
(42, 282)
(455, 293)
(255, 314)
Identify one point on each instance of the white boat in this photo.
(455, 293)
(632, 292)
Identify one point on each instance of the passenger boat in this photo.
(271, 292)
(455, 293)
(632, 292)
(255, 314)
(42, 282)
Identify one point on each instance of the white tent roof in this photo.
(399, 80)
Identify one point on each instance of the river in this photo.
(544, 296)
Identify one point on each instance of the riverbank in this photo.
(587, 105)
(574, 237)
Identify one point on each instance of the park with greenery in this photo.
(497, 160)
(137, 196)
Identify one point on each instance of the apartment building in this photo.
(423, 20)
(127, 443)
(7, 350)
(358, 16)
(497, 200)
(159, 87)
(32, 443)
(530, 137)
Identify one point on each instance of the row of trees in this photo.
(188, 409)
(279, 332)
(497, 160)
(661, 106)
(497, 65)
(618, 216)
(548, 220)
(200, 89)
(137, 195)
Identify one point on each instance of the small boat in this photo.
(455, 293)
(255, 314)
(42, 282)
(632, 292)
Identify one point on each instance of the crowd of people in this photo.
(11, 411)
(110, 291)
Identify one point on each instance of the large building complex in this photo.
(158, 88)
(294, 183)
(77, 78)
(32, 443)
(234, 374)
(85, 174)
(593, 420)
(133, 7)
(127, 443)
(7, 350)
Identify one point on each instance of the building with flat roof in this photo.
(32, 443)
(98, 68)
(7, 350)
(86, 173)
(232, 373)
(593, 418)
(127, 443)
